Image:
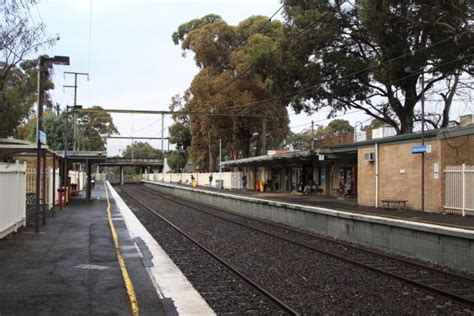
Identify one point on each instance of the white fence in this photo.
(31, 185)
(12, 197)
(459, 189)
(226, 180)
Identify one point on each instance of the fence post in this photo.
(464, 195)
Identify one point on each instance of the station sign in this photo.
(42, 137)
(421, 149)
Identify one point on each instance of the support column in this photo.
(61, 179)
(121, 175)
(65, 179)
(89, 180)
(54, 184)
(44, 185)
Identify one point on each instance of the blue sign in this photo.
(419, 149)
(42, 137)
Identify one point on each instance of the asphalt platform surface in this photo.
(71, 266)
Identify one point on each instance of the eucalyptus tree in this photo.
(20, 38)
(369, 55)
(228, 82)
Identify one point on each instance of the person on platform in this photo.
(244, 182)
(210, 180)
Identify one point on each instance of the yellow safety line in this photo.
(126, 278)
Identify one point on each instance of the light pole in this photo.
(58, 60)
(423, 141)
(66, 145)
(422, 99)
(75, 100)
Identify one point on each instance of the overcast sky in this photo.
(126, 47)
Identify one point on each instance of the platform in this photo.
(72, 266)
(445, 240)
(350, 205)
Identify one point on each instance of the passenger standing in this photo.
(210, 180)
(244, 182)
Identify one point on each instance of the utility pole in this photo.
(312, 134)
(58, 60)
(423, 141)
(264, 136)
(75, 101)
(162, 129)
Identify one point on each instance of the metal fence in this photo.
(12, 197)
(459, 189)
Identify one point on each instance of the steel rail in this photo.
(464, 300)
(265, 293)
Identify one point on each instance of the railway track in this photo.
(263, 292)
(453, 286)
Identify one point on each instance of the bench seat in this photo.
(401, 203)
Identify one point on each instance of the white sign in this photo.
(42, 137)
(321, 157)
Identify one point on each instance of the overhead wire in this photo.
(349, 75)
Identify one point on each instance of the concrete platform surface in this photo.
(71, 266)
(350, 205)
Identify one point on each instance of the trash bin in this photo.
(61, 198)
(74, 191)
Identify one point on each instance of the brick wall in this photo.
(455, 152)
(366, 178)
(400, 175)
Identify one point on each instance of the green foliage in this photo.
(93, 127)
(375, 123)
(20, 38)
(338, 127)
(18, 90)
(302, 141)
(142, 150)
(180, 131)
(53, 126)
(177, 160)
(228, 83)
(299, 141)
(369, 55)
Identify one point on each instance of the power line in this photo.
(356, 73)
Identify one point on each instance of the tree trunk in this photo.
(234, 148)
(448, 101)
(406, 122)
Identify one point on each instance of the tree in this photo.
(227, 83)
(180, 130)
(369, 55)
(142, 150)
(177, 160)
(375, 123)
(299, 141)
(19, 39)
(53, 126)
(93, 127)
(338, 127)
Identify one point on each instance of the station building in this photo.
(376, 166)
